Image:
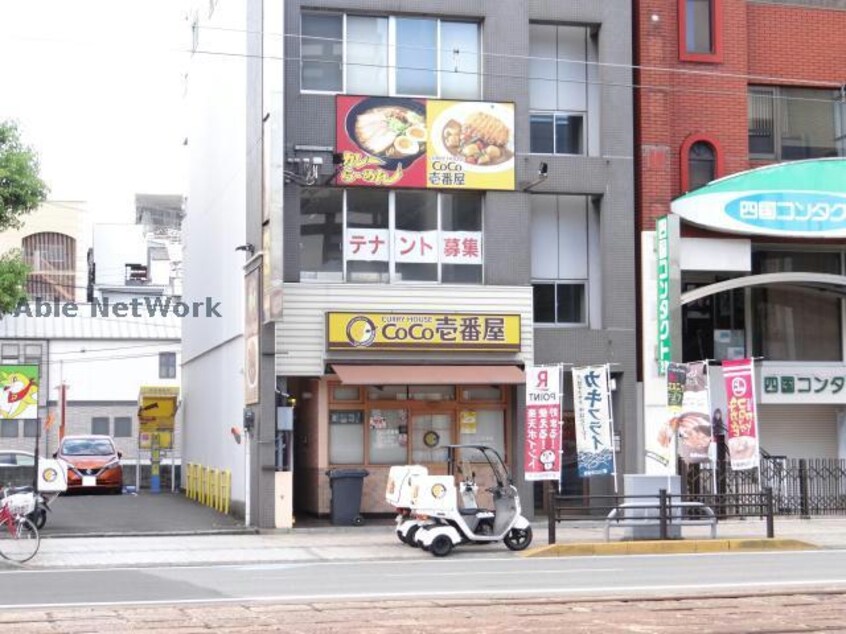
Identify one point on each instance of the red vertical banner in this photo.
(542, 458)
(742, 423)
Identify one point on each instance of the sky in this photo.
(97, 88)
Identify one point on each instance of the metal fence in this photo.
(802, 487)
(661, 511)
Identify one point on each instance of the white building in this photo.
(213, 348)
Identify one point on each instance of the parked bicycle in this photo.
(19, 538)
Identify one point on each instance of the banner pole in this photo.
(560, 424)
(611, 426)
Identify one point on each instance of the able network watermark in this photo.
(137, 307)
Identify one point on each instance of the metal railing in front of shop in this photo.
(803, 487)
(208, 486)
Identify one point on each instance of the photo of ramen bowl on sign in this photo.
(392, 130)
(475, 134)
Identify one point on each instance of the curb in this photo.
(667, 547)
(163, 533)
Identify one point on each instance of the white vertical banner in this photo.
(542, 457)
(594, 438)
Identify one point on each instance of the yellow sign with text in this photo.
(423, 331)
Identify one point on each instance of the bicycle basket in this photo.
(20, 503)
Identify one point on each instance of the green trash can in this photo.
(346, 485)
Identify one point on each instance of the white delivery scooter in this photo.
(398, 494)
(435, 498)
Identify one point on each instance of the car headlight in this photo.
(111, 464)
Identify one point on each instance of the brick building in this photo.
(728, 86)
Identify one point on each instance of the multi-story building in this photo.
(728, 86)
(439, 198)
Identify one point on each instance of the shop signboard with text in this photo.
(424, 143)
(802, 384)
(543, 423)
(481, 332)
(795, 199)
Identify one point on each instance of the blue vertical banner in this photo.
(594, 441)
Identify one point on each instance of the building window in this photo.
(792, 323)
(562, 88)
(9, 352)
(701, 165)
(391, 236)
(561, 228)
(51, 258)
(30, 428)
(375, 55)
(167, 365)
(700, 30)
(8, 429)
(123, 427)
(795, 123)
(100, 425)
(417, 426)
(321, 52)
(346, 437)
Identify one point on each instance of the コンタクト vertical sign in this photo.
(543, 423)
(662, 244)
(594, 441)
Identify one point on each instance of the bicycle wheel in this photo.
(21, 542)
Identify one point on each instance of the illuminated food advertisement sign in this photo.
(420, 143)
(424, 331)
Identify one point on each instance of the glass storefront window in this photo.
(346, 437)
(796, 324)
(387, 392)
(482, 393)
(483, 427)
(346, 393)
(388, 430)
(431, 392)
(431, 433)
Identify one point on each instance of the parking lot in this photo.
(131, 514)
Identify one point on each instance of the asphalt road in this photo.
(455, 578)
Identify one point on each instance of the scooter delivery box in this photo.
(52, 475)
(400, 480)
(433, 495)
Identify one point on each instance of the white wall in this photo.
(215, 224)
(108, 370)
(115, 246)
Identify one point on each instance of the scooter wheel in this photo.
(358, 520)
(401, 537)
(411, 536)
(518, 538)
(38, 517)
(441, 546)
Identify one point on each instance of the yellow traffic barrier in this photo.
(226, 491)
(215, 489)
(189, 481)
(208, 486)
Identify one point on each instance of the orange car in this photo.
(93, 463)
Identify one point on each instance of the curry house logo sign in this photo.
(425, 331)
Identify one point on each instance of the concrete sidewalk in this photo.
(374, 542)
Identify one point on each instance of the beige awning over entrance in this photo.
(429, 374)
